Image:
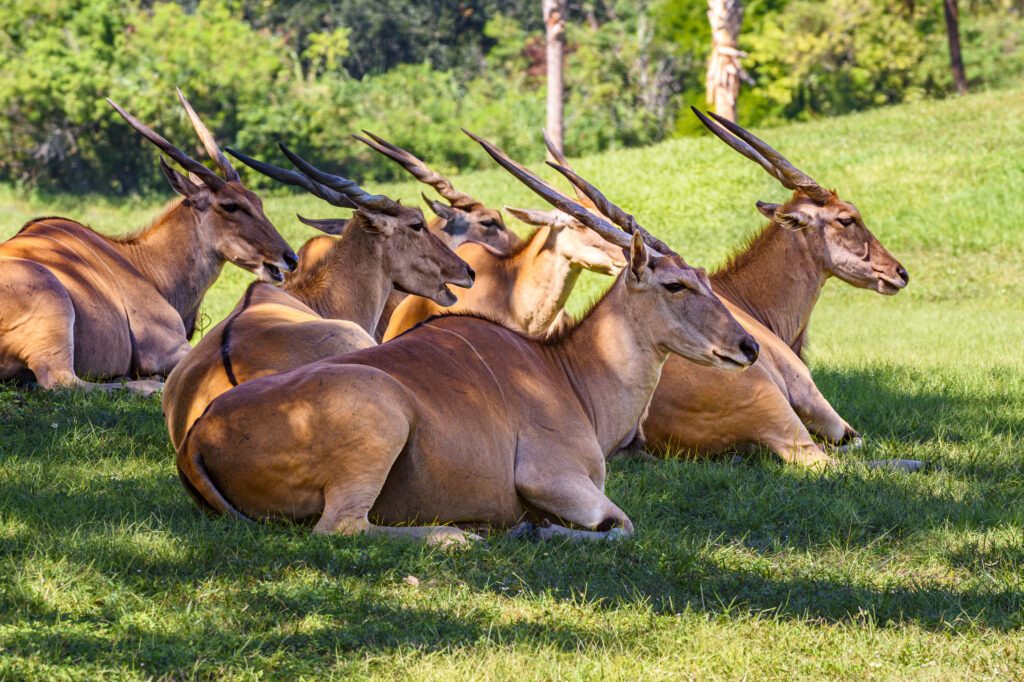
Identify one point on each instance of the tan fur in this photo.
(76, 303)
(460, 420)
(771, 288)
(525, 289)
(79, 304)
(461, 226)
(327, 307)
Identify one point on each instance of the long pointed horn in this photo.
(290, 177)
(420, 171)
(559, 158)
(624, 220)
(212, 180)
(756, 150)
(373, 202)
(230, 174)
(553, 196)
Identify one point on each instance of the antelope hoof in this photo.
(616, 534)
(906, 465)
(145, 387)
(522, 531)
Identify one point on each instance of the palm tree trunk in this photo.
(953, 34)
(724, 69)
(554, 21)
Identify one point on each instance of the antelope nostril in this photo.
(903, 273)
(750, 349)
(291, 261)
(472, 274)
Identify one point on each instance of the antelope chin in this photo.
(611, 269)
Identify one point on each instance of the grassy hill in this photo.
(756, 569)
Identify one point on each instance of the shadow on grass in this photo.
(686, 514)
(907, 405)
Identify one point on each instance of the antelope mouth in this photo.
(729, 363)
(889, 286)
(446, 297)
(273, 273)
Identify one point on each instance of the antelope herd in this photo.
(423, 379)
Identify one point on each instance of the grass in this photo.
(755, 570)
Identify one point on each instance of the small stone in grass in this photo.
(411, 580)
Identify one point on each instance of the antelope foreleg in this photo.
(570, 496)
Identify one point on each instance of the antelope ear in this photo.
(439, 209)
(335, 226)
(794, 220)
(532, 216)
(377, 223)
(767, 210)
(179, 183)
(638, 258)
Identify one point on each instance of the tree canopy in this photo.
(263, 71)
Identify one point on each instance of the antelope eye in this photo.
(489, 223)
(417, 226)
(674, 287)
(229, 206)
(846, 222)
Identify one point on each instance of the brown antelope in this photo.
(462, 219)
(384, 246)
(79, 304)
(771, 288)
(525, 289)
(461, 420)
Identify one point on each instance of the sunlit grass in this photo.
(755, 569)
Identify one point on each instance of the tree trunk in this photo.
(724, 69)
(555, 12)
(953, 34)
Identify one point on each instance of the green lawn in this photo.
(755, 569)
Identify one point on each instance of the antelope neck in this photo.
(775, 280)
(612, 365)
(351, 282)
(542, 279)
(179, 262)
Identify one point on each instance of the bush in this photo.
(826, 58)
(263, 71)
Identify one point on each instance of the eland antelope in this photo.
(77, 304)
(771, 288)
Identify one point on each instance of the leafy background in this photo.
(311, 73)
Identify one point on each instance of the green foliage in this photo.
(825, 58)
(60, 59)
(264, 71)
